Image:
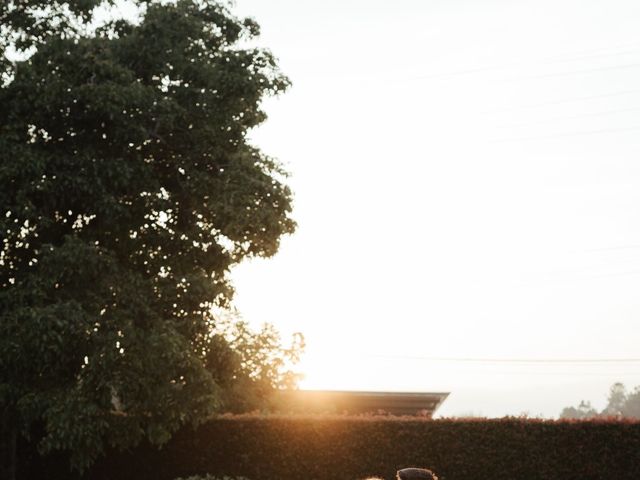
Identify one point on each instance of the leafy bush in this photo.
(211, 477)
(349, 448)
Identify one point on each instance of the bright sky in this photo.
(467, 185)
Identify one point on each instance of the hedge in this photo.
(350, 448)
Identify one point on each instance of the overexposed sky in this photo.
(467, 185)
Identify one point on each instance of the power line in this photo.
(567, 134)
(617, 274)
(599, 49)
(579, 58)
(514, 64)
(572, 117)
(576, 72)
(524, 373)
(532, 361)
(560, 102)
(619, 247)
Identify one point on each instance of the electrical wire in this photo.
(572, 117)
(576, 72)
(521, 361)
(567, 134)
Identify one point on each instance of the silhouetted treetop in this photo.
(129, 189)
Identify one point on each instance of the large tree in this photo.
(128, 190)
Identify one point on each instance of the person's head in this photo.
(416, 474)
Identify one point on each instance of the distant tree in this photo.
(619, 404)
(583, 411)
(616, 401)
(128, 191)
(631, 408)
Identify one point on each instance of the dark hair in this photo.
(416, 474)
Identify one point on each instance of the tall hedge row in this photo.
(349, 448)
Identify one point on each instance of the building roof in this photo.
(358, 402)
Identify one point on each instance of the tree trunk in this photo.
(8, 447)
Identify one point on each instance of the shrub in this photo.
(211, 477)
(351, 448)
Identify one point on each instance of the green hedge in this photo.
(349, 448)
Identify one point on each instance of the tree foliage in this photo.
(128, 191)
(249, 366)
(581, 412)
(616, 401)
(620, 403)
